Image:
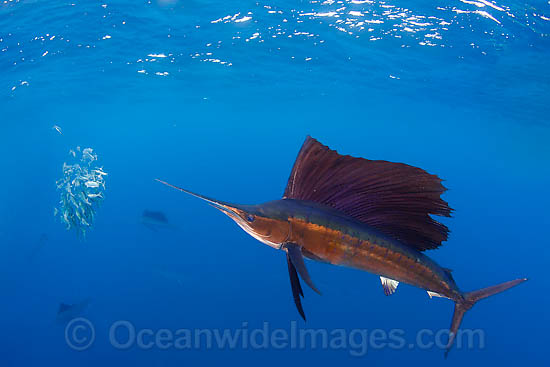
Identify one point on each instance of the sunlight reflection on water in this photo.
(252, 42)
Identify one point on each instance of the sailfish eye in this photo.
(250, 218)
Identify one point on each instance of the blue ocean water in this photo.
(217, 97)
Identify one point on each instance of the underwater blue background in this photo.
(217, 97)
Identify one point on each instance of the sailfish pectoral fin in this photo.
(296, 287)
(294, 252)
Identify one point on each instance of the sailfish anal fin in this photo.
(296, 287)
(389, 285)
(434, 294)
(294, 252)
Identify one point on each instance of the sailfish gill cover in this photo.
(217, 97)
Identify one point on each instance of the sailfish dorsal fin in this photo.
(395, 198)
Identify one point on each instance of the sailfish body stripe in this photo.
(339, 240)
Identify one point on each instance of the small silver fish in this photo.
(57, 128)
(84, 198)
(99, 172)
(92, 184)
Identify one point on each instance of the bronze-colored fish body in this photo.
(374, 216)
(333, 237)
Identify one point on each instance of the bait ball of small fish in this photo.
(81, 188)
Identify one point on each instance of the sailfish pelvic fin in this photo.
(297, 291)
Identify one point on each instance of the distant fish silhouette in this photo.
(156, 220)
(67, 312)
(37, 247)
(172, 276)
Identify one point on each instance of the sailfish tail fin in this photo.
(470, 299)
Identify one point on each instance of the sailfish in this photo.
(370, 215)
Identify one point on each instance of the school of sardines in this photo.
(81, 191)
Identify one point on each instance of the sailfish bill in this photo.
(372, 215)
